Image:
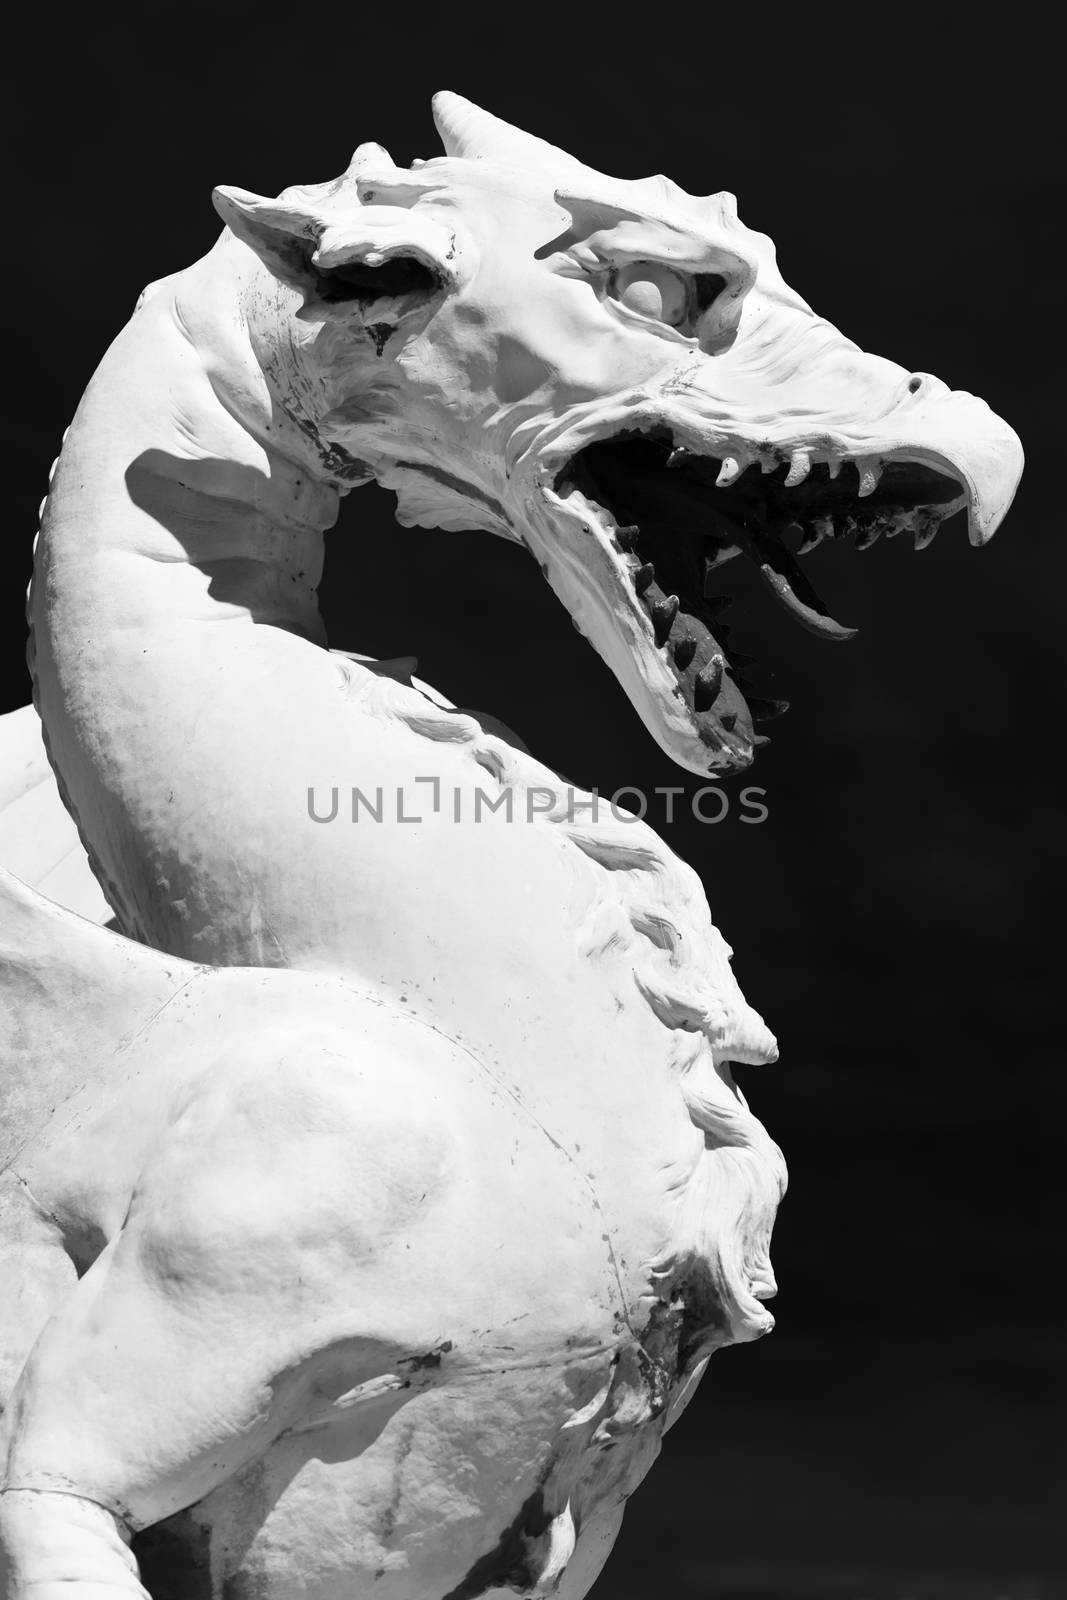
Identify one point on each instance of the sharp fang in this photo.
(813, 538)
(791, 589)
(799, 467)
(926, 534)
(833, 466)
(644, 576)
(52, 469)
(707, 683)
(869, 472)
(728, 472)
(677, 458)
(663, 615)
(684, 651)
(868, 536)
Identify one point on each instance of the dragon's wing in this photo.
(38, 840)
(70, 995)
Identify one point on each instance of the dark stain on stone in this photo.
(704, 1318)
(334, 457)
(381, 333)
(457, 485)
(432, 1358)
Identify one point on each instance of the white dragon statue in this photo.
(373, 1197)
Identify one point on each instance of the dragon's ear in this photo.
(363, 252)
(282, 233)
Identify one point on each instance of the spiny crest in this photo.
(469, 133)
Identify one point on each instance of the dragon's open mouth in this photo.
(673, 517)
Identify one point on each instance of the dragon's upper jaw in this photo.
(642, 525)
(632, 507)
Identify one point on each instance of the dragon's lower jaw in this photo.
(642, 527)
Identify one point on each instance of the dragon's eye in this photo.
(653, 291)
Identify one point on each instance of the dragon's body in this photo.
(414, 1250)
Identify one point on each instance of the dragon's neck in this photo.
(189, 707)
(180, 548)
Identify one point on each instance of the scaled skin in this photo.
(500, 1079)
(348, 1287)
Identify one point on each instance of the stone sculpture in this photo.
(374, 1197)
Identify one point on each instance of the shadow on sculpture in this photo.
(372, 1208)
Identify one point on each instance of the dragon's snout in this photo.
(958, 433)
(672, 496)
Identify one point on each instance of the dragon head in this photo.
(614, 374)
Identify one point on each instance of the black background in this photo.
(896, 1436)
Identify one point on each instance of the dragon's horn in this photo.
(468, 132)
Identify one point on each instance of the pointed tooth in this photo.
(626, 538)
(833, 466)
(869, 472)
(926, 532)
(52, 469)
(644, 576)
(40, 509)
(678, 457)
(799, 467)
(760, 739)
(813, 538)
(707, 683)
(868, 536)
(794, 593)
(684, 651)
(729, 472)
(663, 615)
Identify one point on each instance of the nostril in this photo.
(915, 383)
